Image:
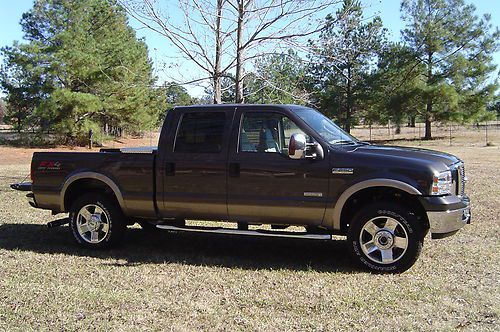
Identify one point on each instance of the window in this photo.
(201, 132)
(324, 126)
(266, 132)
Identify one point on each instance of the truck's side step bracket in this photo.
(296, 235)
(58, 222)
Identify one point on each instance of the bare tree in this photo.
(264, 25)
(223, 35)
(200, 35)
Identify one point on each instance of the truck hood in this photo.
(410, 154)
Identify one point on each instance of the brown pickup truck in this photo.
(281, 165)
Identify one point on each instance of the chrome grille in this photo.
(461, 179)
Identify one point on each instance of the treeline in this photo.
(83, 67)
(441, 70)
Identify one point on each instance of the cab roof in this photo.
(234, 106)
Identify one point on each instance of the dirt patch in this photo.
(13, 155)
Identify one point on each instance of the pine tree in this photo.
(454, 46)
(392, 91)
(95, 73)
(343, 55)
(277, 79)
(175, 95)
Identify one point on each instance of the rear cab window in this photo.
(200, 132)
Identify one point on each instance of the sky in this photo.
(163, 54)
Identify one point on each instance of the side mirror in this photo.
(298, 148)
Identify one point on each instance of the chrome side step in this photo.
(297, 235)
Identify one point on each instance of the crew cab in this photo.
(278, 165)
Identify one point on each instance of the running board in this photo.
(297, 235)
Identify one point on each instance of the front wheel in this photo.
(385, 237)
(96, 221)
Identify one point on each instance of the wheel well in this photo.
(84, 186)
(376, 194)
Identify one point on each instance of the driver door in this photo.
(264, 184)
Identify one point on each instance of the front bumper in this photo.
(447, 215)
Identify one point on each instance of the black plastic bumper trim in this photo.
(22, 186)
(444, 203)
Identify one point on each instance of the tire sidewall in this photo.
(407, 220)
(113, 214)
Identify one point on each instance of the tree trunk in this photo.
(239, 53)
(218, 50)
(411, 121)
(216, 81)
(428, 110)
(349, 101)
(428, 133)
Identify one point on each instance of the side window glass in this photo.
(290, 128)
(266, 132)
(200, 132)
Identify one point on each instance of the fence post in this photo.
(419, 135)
(486, 133)
(450, 133)
(91, 134)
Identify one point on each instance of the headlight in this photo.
(441, 183)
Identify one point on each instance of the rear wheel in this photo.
(385, 237)
(96, 221)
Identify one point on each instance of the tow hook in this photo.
(58, 222)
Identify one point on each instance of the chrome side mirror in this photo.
(297, 146)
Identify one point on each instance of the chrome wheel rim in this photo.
(383, 240)
(92, 223)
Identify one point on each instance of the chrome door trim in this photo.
(292, 235)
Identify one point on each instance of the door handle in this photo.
(170, 169)
(234, 169)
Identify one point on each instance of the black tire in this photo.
(110, 224)
(378, 245)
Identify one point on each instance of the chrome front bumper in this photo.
(446, 223)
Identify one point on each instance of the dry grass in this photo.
(197, 281)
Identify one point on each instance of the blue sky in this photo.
(161, 52)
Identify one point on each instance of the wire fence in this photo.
(482, 134)
(453, 134)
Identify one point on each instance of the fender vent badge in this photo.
(312, 194)
(342, 170)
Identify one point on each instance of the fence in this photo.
(481, 134)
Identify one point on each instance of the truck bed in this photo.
(132, 170)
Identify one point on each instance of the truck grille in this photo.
(461, 179)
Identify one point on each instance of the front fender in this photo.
(333, 214)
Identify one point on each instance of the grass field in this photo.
(207, 282)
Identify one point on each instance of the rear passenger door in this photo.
(194, 184)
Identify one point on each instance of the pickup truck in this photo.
(270, 165)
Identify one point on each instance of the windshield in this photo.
(325, 127)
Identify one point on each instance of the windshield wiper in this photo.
(343, 142)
